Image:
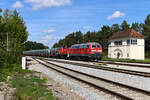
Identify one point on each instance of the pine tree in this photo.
(146, 26)
(115, 28)
(146, 32)
(125, 25)
(137, 27)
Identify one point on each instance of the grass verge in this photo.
(27, 85)
(30, 87)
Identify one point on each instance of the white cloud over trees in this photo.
(116, 14)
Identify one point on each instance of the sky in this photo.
(48, 21)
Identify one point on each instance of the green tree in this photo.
(55, 45)
(29, 45)
(146, 32)
(137, 27)
(103, 36)
(1, 32)
(72, 38)
(115, 28)
(125, 25)
(79, 37)
(146, 26)
(87, 37)
(14, 33)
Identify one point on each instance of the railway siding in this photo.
(106, 85)
(131, 80)
(124, 67)
(74, 87)
(124, 91)
(132, 68)
(127, 64)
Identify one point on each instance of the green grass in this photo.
(27, 88)
(8, 69)
(146, 60)
(30, 87)
(101, 64)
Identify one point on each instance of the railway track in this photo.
(126, 64)
(131, 72)
(124, 92)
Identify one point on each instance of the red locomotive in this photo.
(84, 51)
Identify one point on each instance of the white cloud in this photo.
(49, 31)
(17, 4)
(116, 14)
(39, 4)
(46, 39)
(87, 27)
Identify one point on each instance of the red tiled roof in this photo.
(126, 33)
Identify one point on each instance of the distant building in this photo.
(127, 44)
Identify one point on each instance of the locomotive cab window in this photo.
(98, 46)
(88, 46)
(84, 46)
(72, 47)
(93, 46)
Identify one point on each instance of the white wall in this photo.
(131, 51)
(138, 51)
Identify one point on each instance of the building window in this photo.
(132, 41)
(128, 42)
(118, 42)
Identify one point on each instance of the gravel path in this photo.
(132, 80)
(72, 85)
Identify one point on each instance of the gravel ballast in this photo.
(131, 80)
(74, 87)
(133, 68)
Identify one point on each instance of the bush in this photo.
(147, 54)
(8, 69)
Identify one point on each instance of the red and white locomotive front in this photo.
(89, 50)
(95, 51)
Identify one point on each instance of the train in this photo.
(84, 51)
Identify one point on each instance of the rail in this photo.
(112, 91)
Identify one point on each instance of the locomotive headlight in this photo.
(93, 50)
(99, 50)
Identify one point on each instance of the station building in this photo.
(127, 44)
